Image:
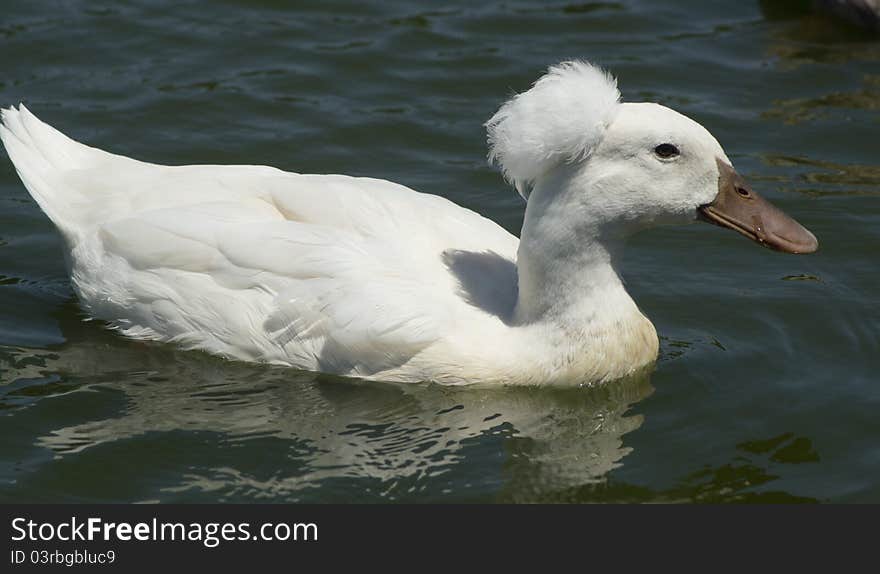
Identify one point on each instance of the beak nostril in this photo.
(743, 192)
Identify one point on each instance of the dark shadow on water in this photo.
(804, 33)
(857, 15)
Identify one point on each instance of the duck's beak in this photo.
(739, 208)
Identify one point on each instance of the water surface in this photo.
(767, 386)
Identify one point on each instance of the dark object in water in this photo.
(862, 13)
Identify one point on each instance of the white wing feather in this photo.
(324, 272)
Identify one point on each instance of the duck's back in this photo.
(327, 272)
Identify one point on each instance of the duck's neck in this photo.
(568, 264)
(579, 319)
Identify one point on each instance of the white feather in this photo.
(560, 119)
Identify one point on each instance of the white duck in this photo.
(367, 278)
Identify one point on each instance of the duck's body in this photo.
(353, 276)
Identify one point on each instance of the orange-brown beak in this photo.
(739, 208)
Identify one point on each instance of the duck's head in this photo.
(569, 144)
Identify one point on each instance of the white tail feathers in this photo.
(42, 155)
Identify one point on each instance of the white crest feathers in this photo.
(560, 119)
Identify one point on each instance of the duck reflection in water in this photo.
(200, 428)
(402, 438)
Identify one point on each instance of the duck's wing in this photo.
(324, 272)
(331, 273)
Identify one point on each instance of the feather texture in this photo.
(331, 273)
(560, 119)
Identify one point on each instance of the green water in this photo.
(767, 386)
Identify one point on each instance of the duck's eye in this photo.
(666, 151)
